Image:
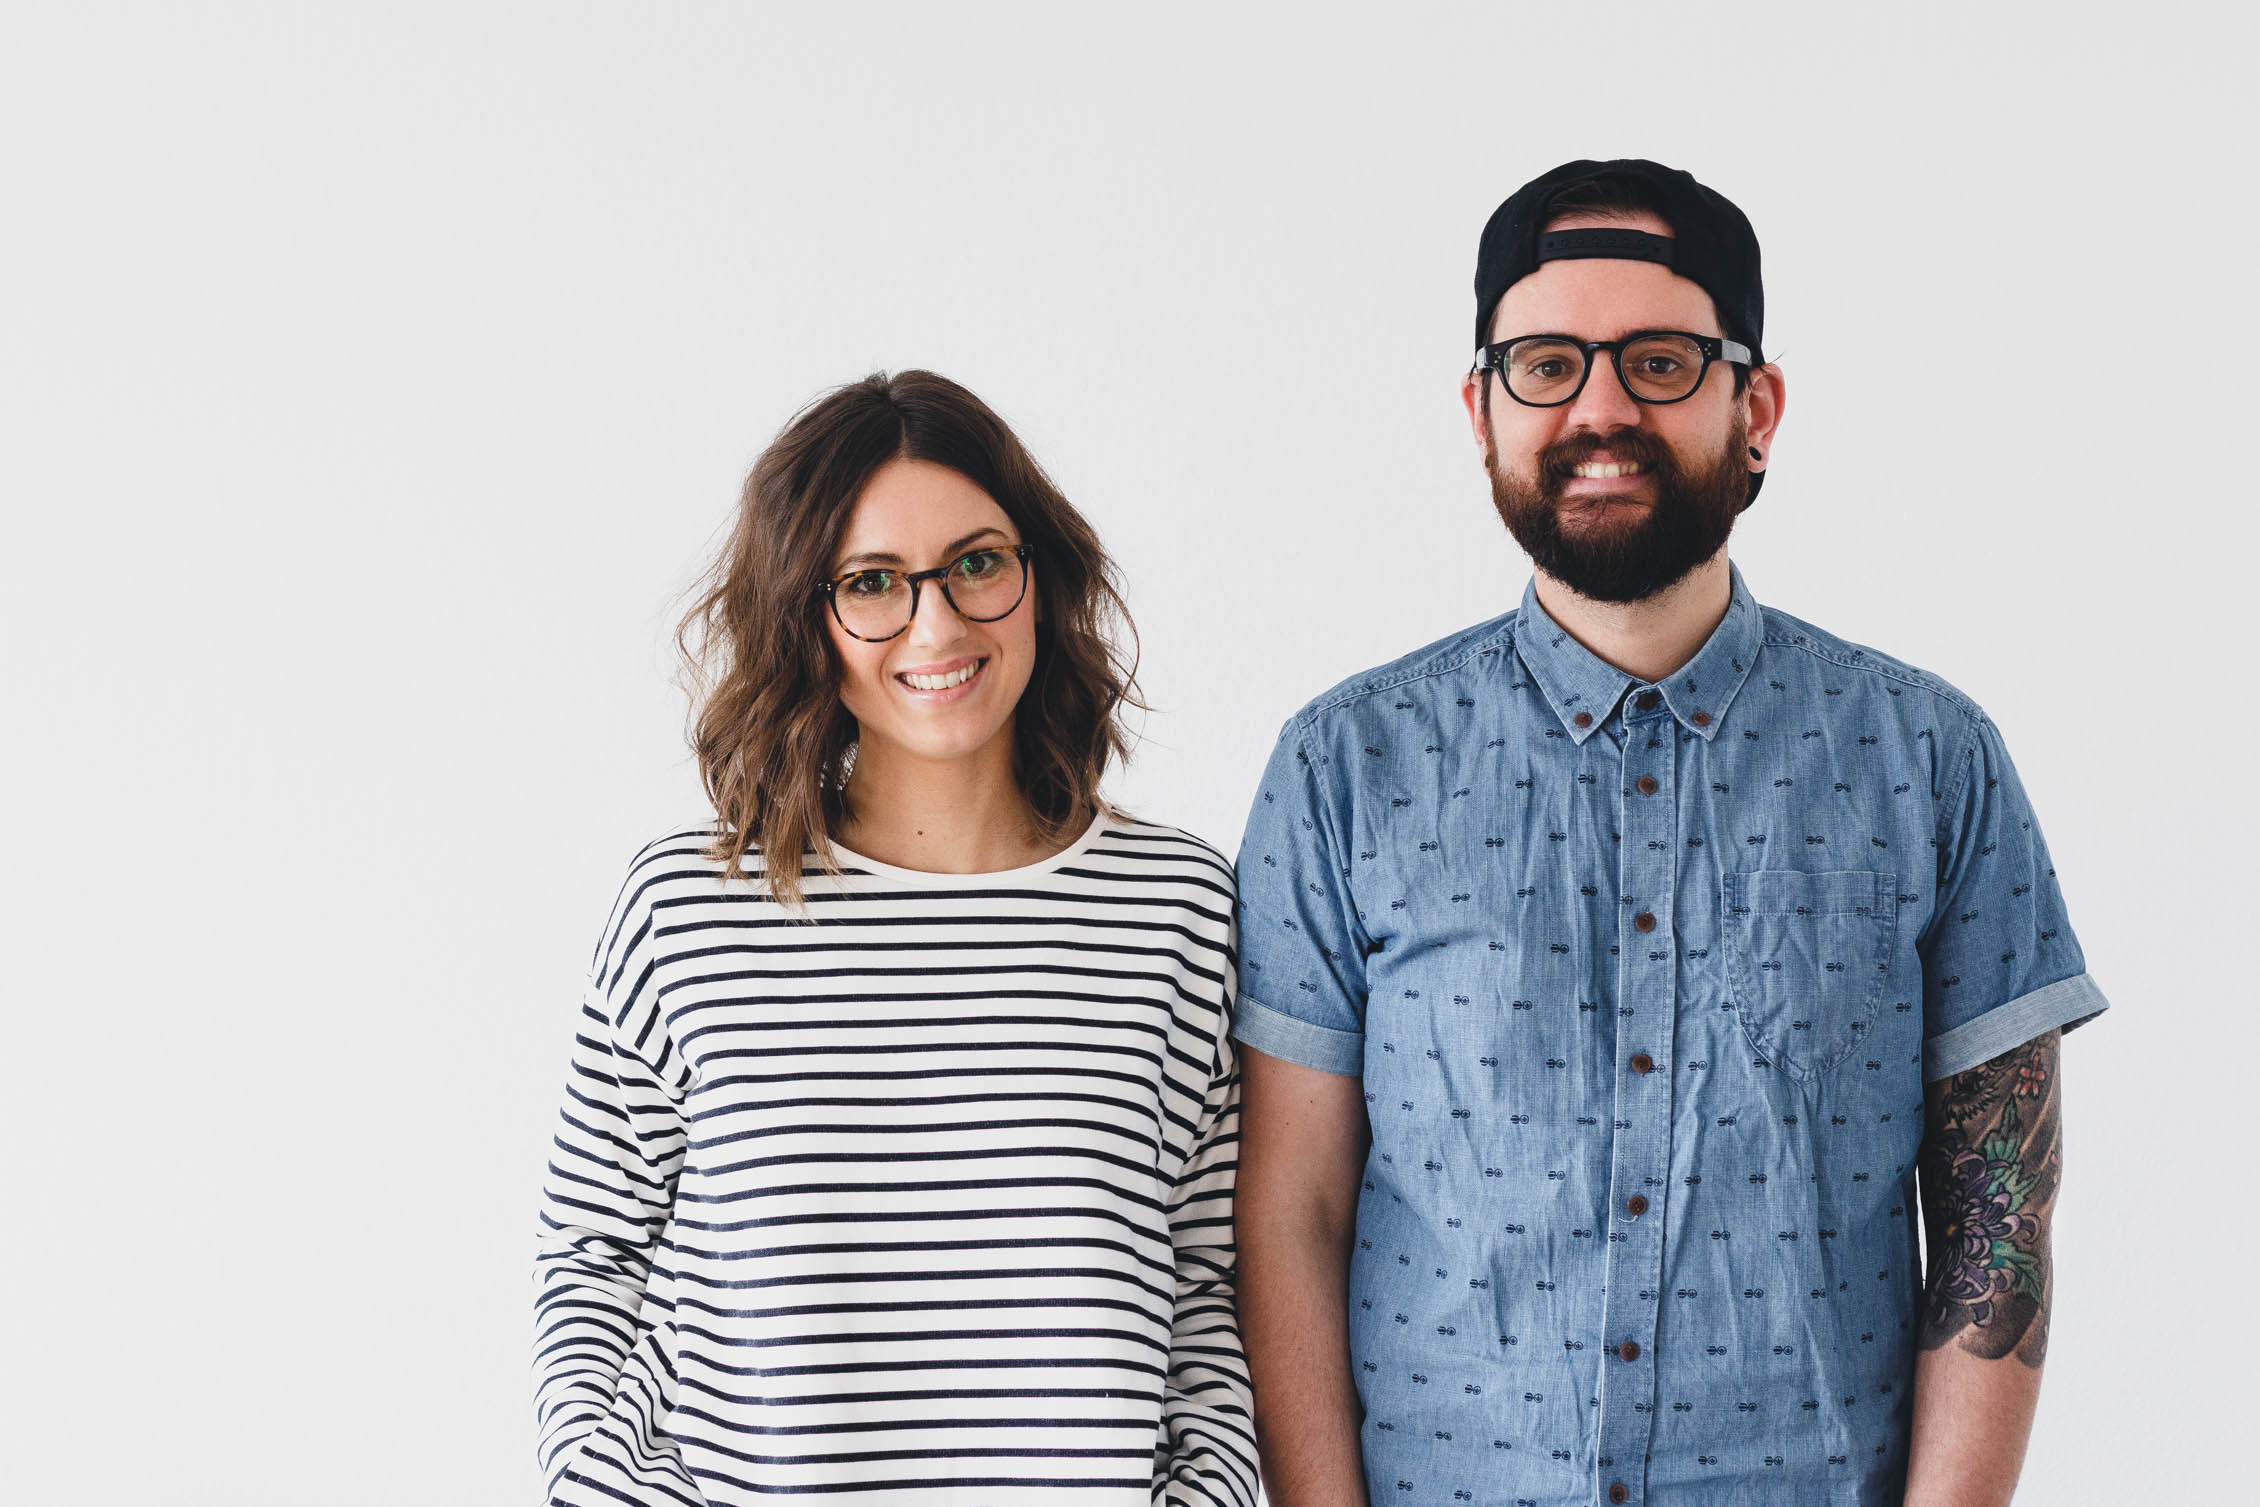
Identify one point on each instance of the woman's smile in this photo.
(945, 682)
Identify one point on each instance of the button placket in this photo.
(1647, 983)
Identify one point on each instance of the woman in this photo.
(901, 1172)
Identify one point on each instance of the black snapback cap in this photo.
(1711, 245)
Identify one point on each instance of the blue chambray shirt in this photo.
(1643, 983)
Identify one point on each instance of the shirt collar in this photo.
(1576, 682)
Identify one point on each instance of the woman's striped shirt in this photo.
(927, 1201)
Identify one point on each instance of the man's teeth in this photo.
(1604, 469)
(941, 682)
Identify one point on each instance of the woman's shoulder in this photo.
(683, 859)
(682, 851)
(1157, 845)
(689, 863)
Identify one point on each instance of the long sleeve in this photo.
(1207, 1452)
(606, 1201)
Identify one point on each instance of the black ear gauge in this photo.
(1756, 453)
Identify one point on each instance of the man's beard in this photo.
(1625, 560)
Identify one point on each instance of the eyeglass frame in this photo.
(829, 589)
(1713, 348)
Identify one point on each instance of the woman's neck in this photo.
(953, 816)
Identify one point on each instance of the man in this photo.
(1613, 971)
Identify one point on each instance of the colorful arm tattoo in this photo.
(1990, 1167)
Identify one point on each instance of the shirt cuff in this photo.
(1276, 1034)
(2066, 1003)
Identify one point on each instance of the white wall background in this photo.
(373, 377)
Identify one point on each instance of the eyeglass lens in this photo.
(983, 586)
(1659, 368)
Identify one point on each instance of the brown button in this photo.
(1583, 719)
(1629, 1350)
(1644, 922)
(1619, 1492)
(1646, 784)
(1636, 1206)
(1648, 701)
(1701, 719)
(1643, 1064)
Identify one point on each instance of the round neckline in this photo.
(849, 858)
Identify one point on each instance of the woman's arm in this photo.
(1207, 1452)
(605, 1202)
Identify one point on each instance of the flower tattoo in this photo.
(1990, 1168)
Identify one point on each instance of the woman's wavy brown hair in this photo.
(774, 742)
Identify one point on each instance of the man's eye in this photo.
(1542, 364)
(1662, 366)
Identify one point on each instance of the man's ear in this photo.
(1473, 389)
(1765, 399)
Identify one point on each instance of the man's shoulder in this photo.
(1794, 636)
(1429, 665)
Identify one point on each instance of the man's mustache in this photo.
(1558, 460)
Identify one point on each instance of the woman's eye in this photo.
(982, 562)
(870, 583)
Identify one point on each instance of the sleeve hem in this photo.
(2066, 1003)
(1278, 1034)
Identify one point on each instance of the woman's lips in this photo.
(942, 684)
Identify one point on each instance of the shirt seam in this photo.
(1915, 678)
(1341, 697)
(1336, 864)
(1968, 771)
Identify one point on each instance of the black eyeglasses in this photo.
(1656, 366)
(980, 585)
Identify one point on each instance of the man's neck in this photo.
(1654, 636)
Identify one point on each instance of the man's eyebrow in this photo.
(883, 557)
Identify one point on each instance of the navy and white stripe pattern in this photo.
(929, 1201)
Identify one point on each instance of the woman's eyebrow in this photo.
(882, 557)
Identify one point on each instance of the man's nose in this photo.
(1603, 404)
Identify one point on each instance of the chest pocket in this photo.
(1806, 960)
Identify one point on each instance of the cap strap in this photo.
(1616, 245)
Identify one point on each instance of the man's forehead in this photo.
(1594, 219)
(1602, 298)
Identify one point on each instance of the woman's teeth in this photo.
(942, 682)
(1600, 470)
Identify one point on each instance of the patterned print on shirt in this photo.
(1643, 983)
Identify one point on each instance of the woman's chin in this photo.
(933, 745)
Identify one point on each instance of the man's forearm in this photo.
(1294, 1313)
(1972, 1418)
(1302, 1145)
(1992, 1162)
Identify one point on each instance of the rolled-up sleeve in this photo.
(2000, 963)
(1302, 949)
